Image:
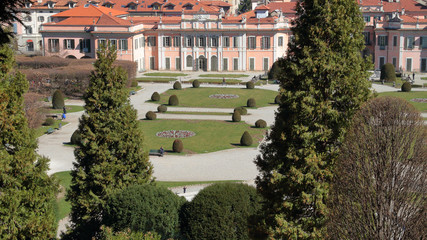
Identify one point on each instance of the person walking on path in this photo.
(223, 81)
(63, 116)
(64, 110)
(413, 76)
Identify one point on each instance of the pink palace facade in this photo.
(190, 35)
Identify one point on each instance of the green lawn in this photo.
(218, 80)
(155, 79)
(43, 129)
(70, 109)
(163, 74)
(211, 136)
(422, 107)
(198, 113)
(199, 97)
(224, 75)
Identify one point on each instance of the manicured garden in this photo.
(165, 74)
(218, 80)
(155, 79)
(38, 132)
(70, 109)
(210, 136)
(420, 106)
(224, 75)
(200, 97)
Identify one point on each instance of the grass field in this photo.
(224, 75)
(218, 80)
(198, 113)
(163, 74)
(422, 107)
(199, 97)
(70, 109)
(43, 129)
(211, 136)
(155, 79)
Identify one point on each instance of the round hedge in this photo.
(236, 116)
(48, 122)
(246, 139)
(388, 72)
(173, 100)
(274, 71)
(251, 102)
(250, 85)
(162, 108)
(196, 84)
(151, 115)
(277, 99)
(134, 83)
(241, 110)
(260, 124)
(155, 97)
(221, 211)
(76, 138)
(406, 87)
(177, 146)
(144, 208)
(177, 86)
(58, 100)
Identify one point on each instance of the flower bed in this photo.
(419, 100)
(224, 96)
(176, 134)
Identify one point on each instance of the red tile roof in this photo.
(262, 7)
(285, 7)
(90, 11)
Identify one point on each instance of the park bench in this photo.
(54, 116)
(155, 152)
(50, 130)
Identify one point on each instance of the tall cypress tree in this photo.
(27, 193)
(110, 155)
(324, 82)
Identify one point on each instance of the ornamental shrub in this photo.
(246, 139)
(162, 108)
(177, 146)
(177, 86)
(144, 208)
(48, 122)
(173, 100)
(76, 138)
(406, 87)
(241, 110)
(58, 100)
(277, 99)
(236, 116)
(134, 83)
(275, 71)
(155, 97)
(221, 211)
(250, 85)
(388, 72)
(151, 115)
(260, 124)
(251, 102)
(196, 84)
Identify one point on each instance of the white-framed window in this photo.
(252, 42)
(251, 64)
(214, 41)
(151, 41)
(265, 65)
(235, 64)
(423, 42)
(53, 45)
(225, 64)
(280, 41)
(226, 41)
(265, 42)
(69, 44)
(28, 30)
(367, 18)
(189, 61)
(123, 44)
(409, 42)
(141, 42)
(136, 43)
(167, 41)
(30, 46)
(102, 42)
(28, 18)
(85, 45)
(201, 40)
(40, 19)
(113, 43)
(177, 41)
(236, 42)
(168, 63)
(178, 63)
(409, 64)
(189, 41)
(152, 63)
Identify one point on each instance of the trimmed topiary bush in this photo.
(75, 138)
(144, 208)
(48, 122)
(196, 84)
(251, 102)
(155, 97)
(134, 83)
(250, 85)
(274, 71)
(177, 86)
(151, 115)
(241, 110)
(177, 146)
(277, 99)
(173, 100)
(388, 73)
(406, 87)
(246, 139)
(58, 100)
(236, 116)
(221, 211)
(260, 124)
(162, 108)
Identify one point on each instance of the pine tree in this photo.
(323, 84)
(110, 155)
(27, 193)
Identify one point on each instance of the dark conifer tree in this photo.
(110, 155)
(27, 193)
(323, 84)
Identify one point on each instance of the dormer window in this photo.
(188, 6)
(155, 6)
(108, 5)
(169, 6)
(71, 4)
(50, 4)
(28, 4)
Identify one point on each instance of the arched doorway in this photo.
(202, 63)
(214, 63)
